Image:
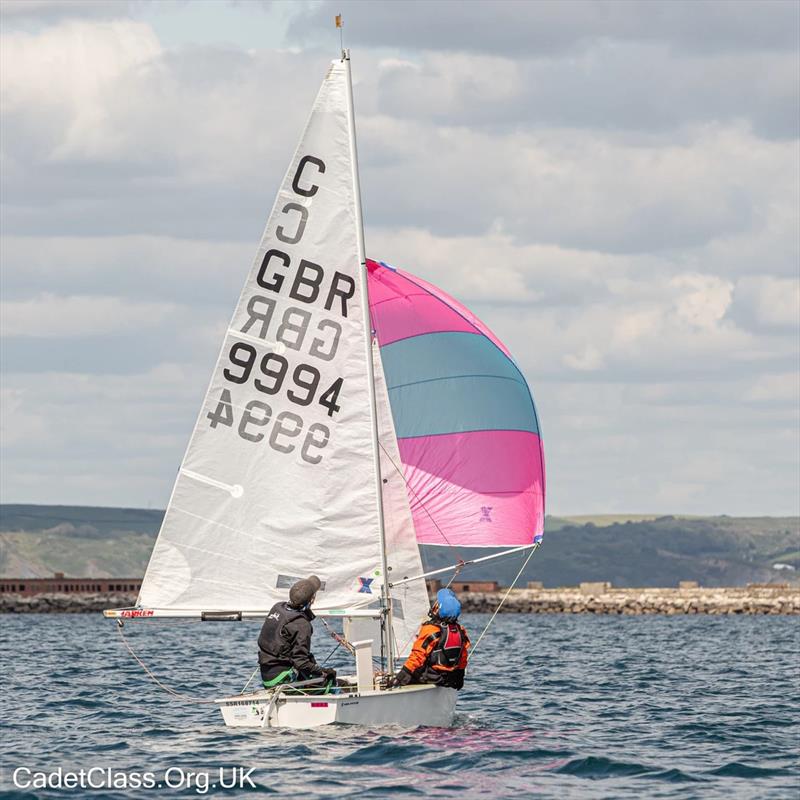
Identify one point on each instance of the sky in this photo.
(613, 187)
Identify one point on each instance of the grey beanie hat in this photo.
(302, 591)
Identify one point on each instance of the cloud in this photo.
(54, 10)
(571, 314)
(50, 316)
(137, 151)
(703, 301)
(138, 268)
(656, 456)
(601, 87)
(572, 188)
(520, 27)
(62, 77)
(779, 389)
(612, 188)
(104, 132)
(769, 303)
(590, 359)
(105, 441)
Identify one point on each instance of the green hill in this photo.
(716, 551)
(80, 541)
(628, 550)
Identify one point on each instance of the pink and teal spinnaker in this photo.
(464, 416)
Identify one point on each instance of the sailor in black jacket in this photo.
(284, 645)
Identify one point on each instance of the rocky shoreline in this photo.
(64, 603)
(749, 600)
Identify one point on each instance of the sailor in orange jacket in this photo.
(440, 652)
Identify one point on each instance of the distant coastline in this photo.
(626, 549)
(760, 600)
(763, 599)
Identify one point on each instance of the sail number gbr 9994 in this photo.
(284, 341)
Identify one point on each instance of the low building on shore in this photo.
(474, 586)
(463, 586)
(594, 587)
(60, 584)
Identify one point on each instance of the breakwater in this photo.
(64, 603)
(698, 600)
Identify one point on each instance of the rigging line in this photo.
(337, 638)
(456, 573)
(325, 660)
(414, 635)
(177, 695)
(250, 679)
(457, 569)
(505, 597)
(161, 621)
(419, 500)
(462, 564)
(338, 645)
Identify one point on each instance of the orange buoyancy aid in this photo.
(442, 645)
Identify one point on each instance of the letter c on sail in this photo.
(312, 190)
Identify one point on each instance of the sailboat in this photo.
(355, 412)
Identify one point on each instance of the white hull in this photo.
(408, 706)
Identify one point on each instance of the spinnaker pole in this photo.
(461, 564)
(386, 629)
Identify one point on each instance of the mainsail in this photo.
(278, 480)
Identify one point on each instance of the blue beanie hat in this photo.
(449, 605)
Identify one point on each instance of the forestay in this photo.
(278, 479)
(410, 603)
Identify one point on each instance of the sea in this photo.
(555, 706)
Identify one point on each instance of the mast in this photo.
(386, 628)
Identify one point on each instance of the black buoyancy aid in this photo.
(449, 646)
(272, 644)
